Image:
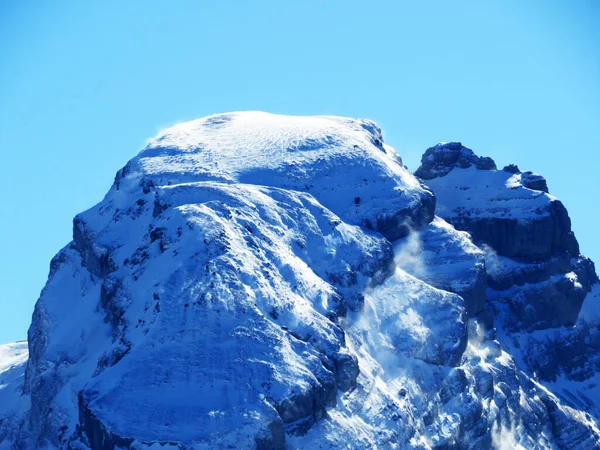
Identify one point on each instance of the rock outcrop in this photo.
(442, 158)
(533, 257)
(543, 291)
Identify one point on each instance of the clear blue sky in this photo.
(84, 84)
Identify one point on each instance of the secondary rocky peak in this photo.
(511, 168)
(442, 158)
(525, 232)
(534, 181)
(528, 179)
(507, 209)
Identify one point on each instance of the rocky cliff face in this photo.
(542, 292)
(270, 282)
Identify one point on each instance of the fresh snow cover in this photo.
(405, 335)
(445, 258)
(257, 281)
(333, 158)
(487, 193)
(242, 274)
(12, 355)
(590, 310)
(13, 358)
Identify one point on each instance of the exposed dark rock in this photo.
(534, 181)
(96, 258)
(545, 295)
(545, 305)
(474, 295)
(159, 208)
(511, 168)
(530, 240)
(502, 278)
(99, 437)
(110, 293)
(57, 261)
(275, 438)
(442, 158)
(455, 383)
(300, 411)
(346, 371)
(401, 223)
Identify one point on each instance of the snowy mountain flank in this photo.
(258, 281)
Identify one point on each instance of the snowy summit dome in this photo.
(342, 162)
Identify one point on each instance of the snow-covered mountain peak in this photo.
(269, 282)
(264, 136)
(232, 147)
(342, 162)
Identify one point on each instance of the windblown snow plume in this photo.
(256, 281)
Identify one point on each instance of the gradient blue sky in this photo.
(84, 84)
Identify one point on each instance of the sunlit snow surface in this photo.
(12, 365)
(232, 291)
(13, 359)
(333, 158)
(487, 193)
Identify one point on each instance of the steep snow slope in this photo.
(13, 358)
(271, 282)
(447, 259)
(12, 355)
